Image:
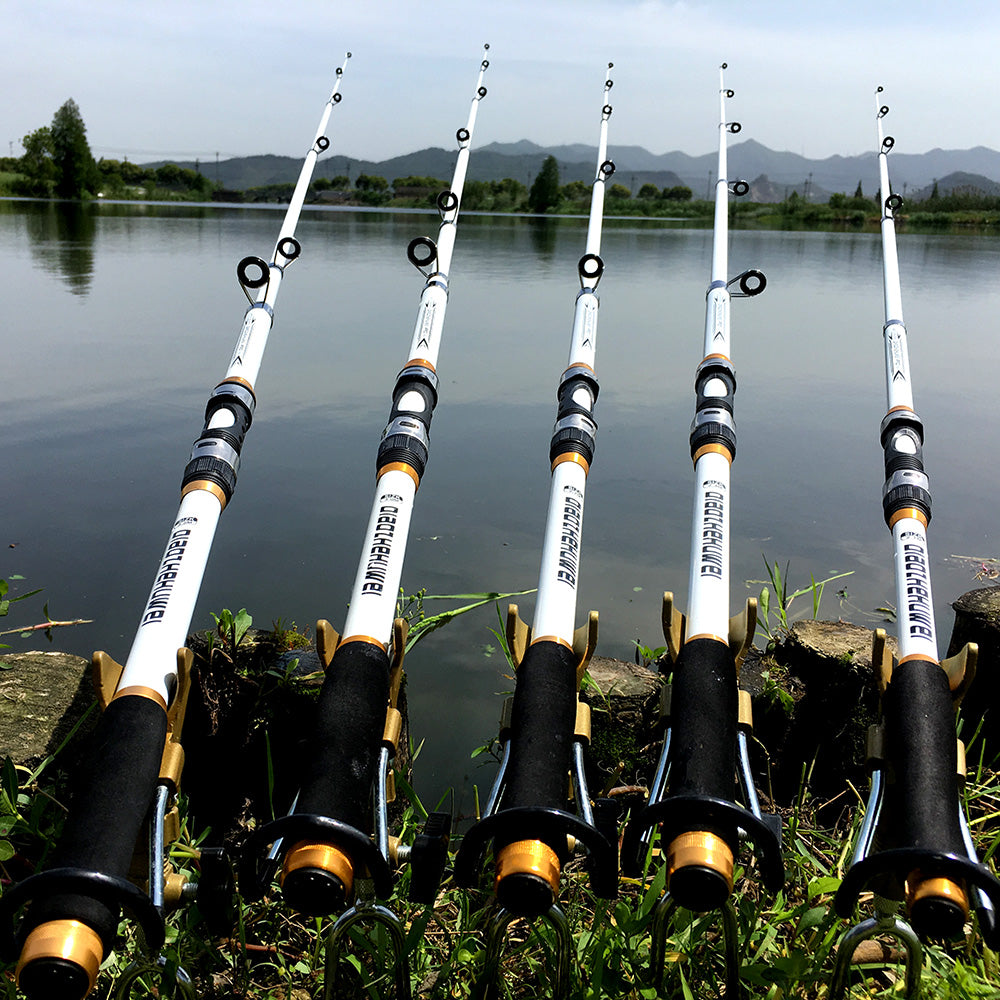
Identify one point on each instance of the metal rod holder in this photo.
(123, 985)
(580, 790)
(730, 939)
(887, 924)
(497, 787)
(367, 911)
(157, 847)
(496, 934)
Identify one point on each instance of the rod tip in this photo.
(724, 66)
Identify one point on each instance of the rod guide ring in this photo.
(733, 127)
(462, 135)
(481, 91)
(887, 143)
(730, 93)
(740, 188)
(243, 272)
(590, 268)
(289, 248)
(322, 143)
(751, 282)
(884, 110)
(428, 245)
(894, 202)
(485, 64)
(607, 109)
(607, 168)
(337, 98)
(447, 201)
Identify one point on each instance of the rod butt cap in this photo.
(527, 877)
(938, 908)
(699, 871)
(60, 961)
(317, 879)
(53, 979)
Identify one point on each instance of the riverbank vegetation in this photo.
(57, 163)
(264, 951)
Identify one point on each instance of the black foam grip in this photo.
(543, 718)
(703, 700)
(111, 798)
(922, 795)
(343, 752)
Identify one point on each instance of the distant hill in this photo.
(784, 171)
(960, 182)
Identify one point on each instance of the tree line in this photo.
(57, 162)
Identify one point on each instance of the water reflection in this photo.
(543, 237)
(61, 239)
(98, 433)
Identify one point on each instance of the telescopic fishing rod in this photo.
(527, 819)
(707, 716)
(914, 844)
(325, 846)
(72, 921)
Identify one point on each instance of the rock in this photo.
(247, 728)
(42, 696)
(814, 699)
(624, 699)
(977, 619)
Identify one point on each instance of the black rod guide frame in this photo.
(914, 844)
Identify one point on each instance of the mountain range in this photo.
(774, 174)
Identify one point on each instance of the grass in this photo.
(786, 941)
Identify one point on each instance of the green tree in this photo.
(169, 175)
(544, 193)
(678, 192)
(858, 193)
(649, 191)
(509, 195)
(133, 173)
(76, 172)
(36, 164)
(575, 191)
(619, 191)
(371, 182)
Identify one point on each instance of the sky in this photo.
(195, 78)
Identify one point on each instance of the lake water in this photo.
(118, 321)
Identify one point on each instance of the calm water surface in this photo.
(120, 319)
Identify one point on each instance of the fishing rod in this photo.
(704, 750)
(136, 762)
(914, 844)
(324, 845)
(526, 818)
